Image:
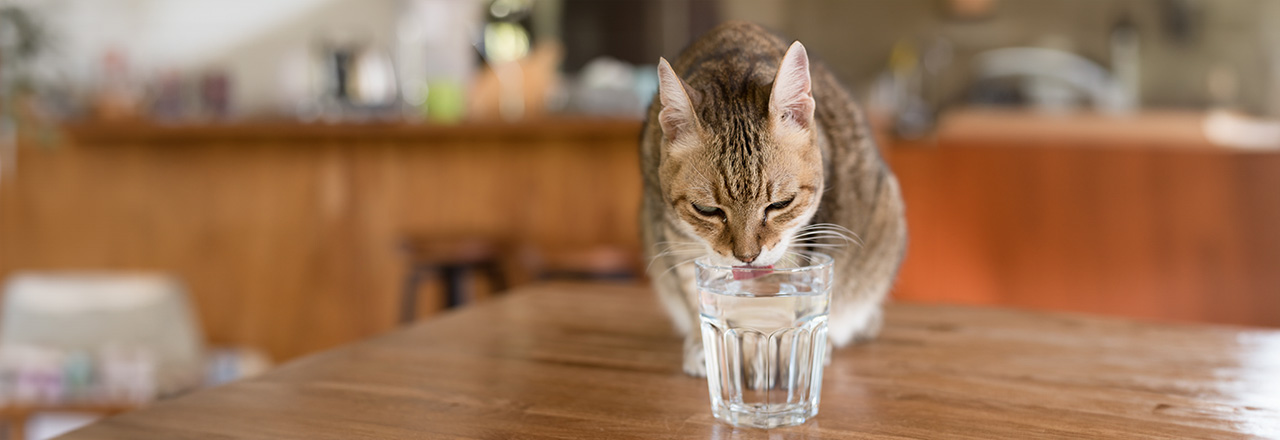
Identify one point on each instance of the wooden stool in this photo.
(453, 259)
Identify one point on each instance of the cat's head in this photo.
(741, 169)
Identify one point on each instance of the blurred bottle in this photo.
(1223, 86)
(335, 59)
(435, 57)
(373, 80)
(512, 87)
(359, 81)
(1126, 62)
(298, 88)
(899, 92)
(215, 94)
(167, 96)
(78, 376)
(117, 96)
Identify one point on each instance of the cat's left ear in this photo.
(791, 101)
(677, 117)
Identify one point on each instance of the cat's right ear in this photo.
(677, 118)
(791, 100)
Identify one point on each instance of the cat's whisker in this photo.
(831, 231)
(819, 236)
(843, 237)
(824, 233)
(674, 266)
(828, 225)
(671, 253)
(673, 246)
(691, 243)
(810, 244)
(826, 243)
(828, 232)
(673, 249)
(832, 227)
(831, 245)
(676, 245)
(828, 228)
(822, 245)
(857, 239)
(681, 245)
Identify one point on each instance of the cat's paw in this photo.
(695, 363)
(870, 329)
(855, 327)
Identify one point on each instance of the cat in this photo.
(748, 152)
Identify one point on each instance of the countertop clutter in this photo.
(591, 361)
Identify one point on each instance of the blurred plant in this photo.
(505, 41)
(22, 41)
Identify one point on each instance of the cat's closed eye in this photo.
(780, 205)
(707, 210)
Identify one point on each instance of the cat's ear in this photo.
(677, 117)
(791, 101)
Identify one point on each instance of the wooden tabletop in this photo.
(575, 361)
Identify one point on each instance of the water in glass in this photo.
(765, 337)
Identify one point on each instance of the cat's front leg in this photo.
(870, 327)
(857, 320)
(677, 291)
(826, 357)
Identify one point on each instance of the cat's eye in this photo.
(707, 210)
(780, 205)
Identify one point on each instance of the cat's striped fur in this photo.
(734, 152)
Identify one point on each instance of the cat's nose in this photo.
(747, 258)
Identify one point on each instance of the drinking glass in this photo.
(764, 332)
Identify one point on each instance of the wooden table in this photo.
(15, 416)
(598, 361)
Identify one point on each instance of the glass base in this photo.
(750, 417)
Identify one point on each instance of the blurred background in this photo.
(192, 191)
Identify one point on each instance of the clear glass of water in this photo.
(764, 331)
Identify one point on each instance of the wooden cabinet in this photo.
(1136, 216)
(287, 234)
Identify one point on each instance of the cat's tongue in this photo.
(749, 272)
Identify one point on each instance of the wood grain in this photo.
(569, 361)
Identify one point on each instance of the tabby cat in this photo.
(757, 153)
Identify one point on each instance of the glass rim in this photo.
(822, 261)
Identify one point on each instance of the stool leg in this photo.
(496, 280)
(409, 295)
(454, 281)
